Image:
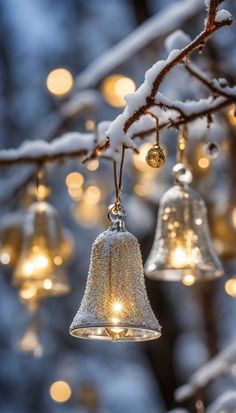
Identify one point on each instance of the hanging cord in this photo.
(118, 181)
(157, 127)
(39, 178)
(181, 152)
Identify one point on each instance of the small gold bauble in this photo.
(156, 156)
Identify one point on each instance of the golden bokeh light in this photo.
(231, 116)
(89, 124)
(74, 179)
(60, 391)
(230, 287)
(203, 162)
(188, 280)
(115, 88)
(5, 257)
(92, 195)
(42, 192)
(93, 165)
(59, 81)
(139, 159)
(234, 217)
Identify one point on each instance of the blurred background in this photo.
(51, 52)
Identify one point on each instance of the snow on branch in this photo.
(225, 403)
(154, 28)
(69, 145)
(146, 96)
(218, 366)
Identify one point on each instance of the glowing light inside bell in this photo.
(116, 333)
(179, 257)
(47, 284)
(35, 263)
(5, 258)
(28, 291)
(188, 279)
(230, 287)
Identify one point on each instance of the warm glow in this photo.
(93, 165)
(92, 195)
(75, 192)
(59, 81)
(188, 279)
(89, 124)
(88, 215)
(230, 287)
(5, 258)
(28, 291)
(37, 262)
(117, 307)
(30, 343)
(203, 163)
(234, 217)
(74, 179)
(231, 116)
(60, 391)
(115, 88)
(42, 192)
(139, 159)
(179, 257)
(58, 260)
(47, 284)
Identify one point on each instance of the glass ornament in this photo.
(182, 174)
(211, 150)
(156, 156)
(182, 249)
(40, 262)
(115, 305)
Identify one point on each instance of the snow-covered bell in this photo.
(115, 305)
(182, 249)
(40, 261)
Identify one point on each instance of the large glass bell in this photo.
(40, 262)
(115, 305)
(182, 249)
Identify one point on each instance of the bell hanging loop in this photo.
(117, 216)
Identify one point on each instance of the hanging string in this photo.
(38, 179)
(118, 182)
(157, 127)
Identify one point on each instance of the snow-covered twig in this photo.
(225, 403)
(218, 366)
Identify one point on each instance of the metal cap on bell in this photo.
(115, 305)
(182, 249)
(40, 262)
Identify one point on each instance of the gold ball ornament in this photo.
(156, 156)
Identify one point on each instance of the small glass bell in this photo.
(40, 262)
(115, 305)
(182, 250)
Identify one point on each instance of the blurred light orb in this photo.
(139, 159)
(203, 163)
(5, 258)
(115, 88)
(234, 217)
(93, 165)
(89, 124)
(231, 116)
(92, 195)
(60, 391)
(230, 287)
(188, 280)
(74, 179)
(59, 81)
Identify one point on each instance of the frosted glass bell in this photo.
(182, 249)
(40, 262)
(115, 305)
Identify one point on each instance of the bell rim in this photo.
(177, 274)
(156, 333)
